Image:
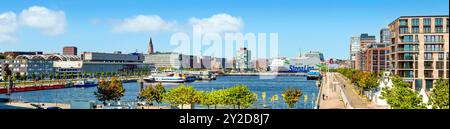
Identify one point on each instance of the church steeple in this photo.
(150, 47)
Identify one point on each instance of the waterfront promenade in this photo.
(330, 95)
(358, 101)
(341, 94)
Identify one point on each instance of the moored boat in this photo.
(86, 83)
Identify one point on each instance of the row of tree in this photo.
(401, 96)
(366, 81)
(238, 96)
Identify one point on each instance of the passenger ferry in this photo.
(171, 78)
(294, 65)
(86, 83)
(313, 75)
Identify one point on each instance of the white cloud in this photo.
(144, 23)
(50, 21)
(219, 23)
(8, 26)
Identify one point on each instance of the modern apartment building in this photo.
(419, 52)
(374, 55)
(243, 58)
(385, 36)
(354, 49)
(365, 40)
(30, 64)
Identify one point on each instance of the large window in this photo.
(426, 21)
(415, 22)
(415, 30)
(438, 29)
(433, 48)
(408, 38)
(438, 21)
(426, 29)
(434, 38)
(428, 56)
(440, 56)
(403, 22)
(403, 30)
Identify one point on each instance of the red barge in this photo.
(33, 88)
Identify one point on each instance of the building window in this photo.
(428, 56)
(440, 56)
(404, 22)
(407, 38)
(403, 30)
(426, 29)
(415, 22)
(426, 21)
(438, 29)
(438, 21)
(415, 30)
(434, 38)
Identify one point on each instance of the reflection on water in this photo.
(271, 87)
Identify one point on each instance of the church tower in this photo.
(150, 47)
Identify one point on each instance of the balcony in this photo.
(408, 42)
(407, 50)
(429, 67)
(434, 50)
(428, 59)
(435, 41)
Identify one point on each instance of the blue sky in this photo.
(322, 25)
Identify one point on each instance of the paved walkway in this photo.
(332, 99)
(356, 100)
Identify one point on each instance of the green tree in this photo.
(33, 76)
(24, 76)
(400, 96)
(58, 76)
(72, 75)
(41, 76)
(291, 96)
(85, 74)
(439, 95)
(65, 75)
(102, 74)
(78, 75)
(16, 76)
(182, 95)
(206, 99)
(240, 96)
(160, 91)
(110, 90)
(148, 94)
(51, 76)
(91, 74)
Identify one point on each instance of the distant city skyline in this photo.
(319, 25)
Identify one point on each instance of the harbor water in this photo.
(271, 87)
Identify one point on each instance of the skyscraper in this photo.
(243, 58)
(150, 47)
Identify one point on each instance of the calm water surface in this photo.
(271, 87)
